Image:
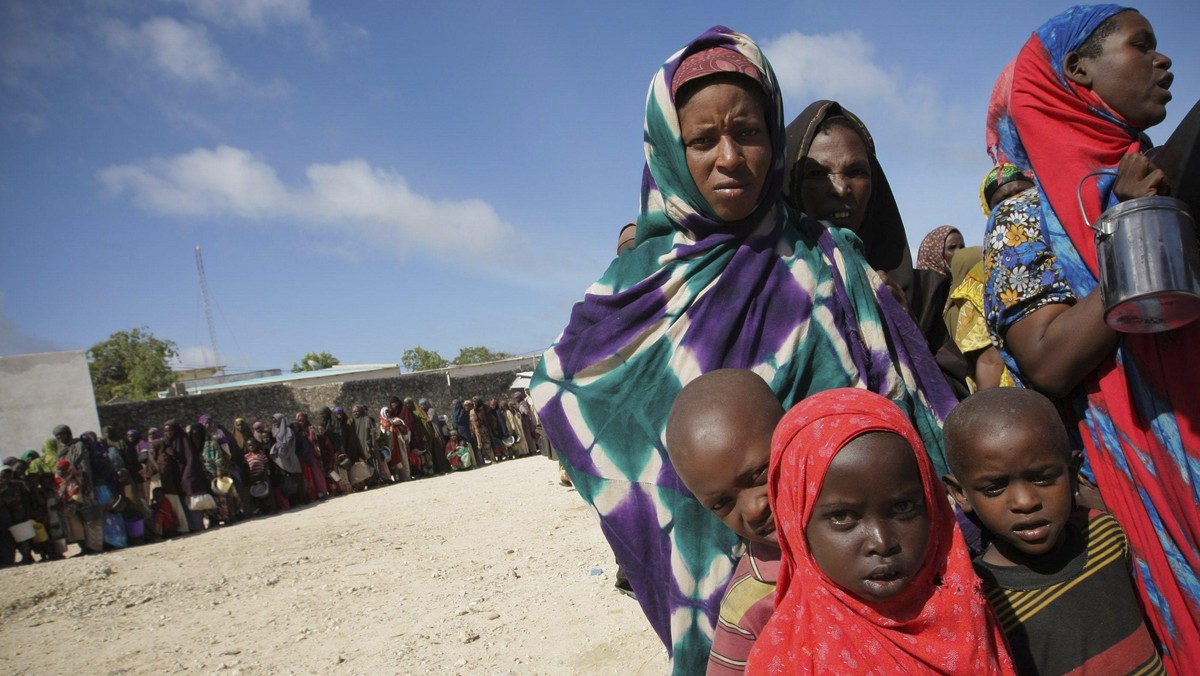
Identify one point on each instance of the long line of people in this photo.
(112, 491)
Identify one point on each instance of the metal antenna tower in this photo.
(212, 330)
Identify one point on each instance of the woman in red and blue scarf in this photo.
(1078, 99)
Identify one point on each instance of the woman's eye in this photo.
(905, 507)
(841, 518)
(720, 506)
(816, 174)
(699, 142)
(760, 476)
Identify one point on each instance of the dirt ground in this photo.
(493, 571)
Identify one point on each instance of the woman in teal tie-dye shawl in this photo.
(775, 292)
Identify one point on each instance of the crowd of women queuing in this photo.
(782, 251)
(114, 490)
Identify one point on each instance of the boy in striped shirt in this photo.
(719, 441)
(1058, 578)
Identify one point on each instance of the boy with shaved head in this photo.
(719, 440)
(1057, 577)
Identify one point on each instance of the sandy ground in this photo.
(493, 571)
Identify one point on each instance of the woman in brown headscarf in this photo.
(938, 249)
(834, 176)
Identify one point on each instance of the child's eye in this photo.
(905, 507)
(760, 475)
(721, 506)
(992, 490)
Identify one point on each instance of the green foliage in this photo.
(478, 355)
(315, 362)
(420, 359)
(132, 364)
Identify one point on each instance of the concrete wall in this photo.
(258, 403)
(39, 391)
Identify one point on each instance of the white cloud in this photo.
(842, 67)
(260, 15)
(179, 51)
(350, 198)
(254, 14)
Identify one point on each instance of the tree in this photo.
(478, 355)
(315, 362)
(420, 359)
(132, 364)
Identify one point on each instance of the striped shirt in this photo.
(1074, 610)
(747, 605)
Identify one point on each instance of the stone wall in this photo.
(259, 403)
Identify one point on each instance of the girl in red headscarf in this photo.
(874, 576)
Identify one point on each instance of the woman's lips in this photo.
(1165, 85)
(839, 216)
(731, 189)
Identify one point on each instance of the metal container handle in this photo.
(1079, 196)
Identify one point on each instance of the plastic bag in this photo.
(202, 503)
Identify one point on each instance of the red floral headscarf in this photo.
(940, 622)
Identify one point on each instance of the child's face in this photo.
(728, 476)
(869, 527)
(1020, 486)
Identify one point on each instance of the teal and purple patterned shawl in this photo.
(778, 293)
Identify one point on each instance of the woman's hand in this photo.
(1137, 176)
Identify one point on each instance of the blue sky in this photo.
(365, 177)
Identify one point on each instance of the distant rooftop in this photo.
(338, 373)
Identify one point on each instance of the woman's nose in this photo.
(729, 152)
(841, 187)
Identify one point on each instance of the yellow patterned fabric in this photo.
(970, 333)
(970, 328)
